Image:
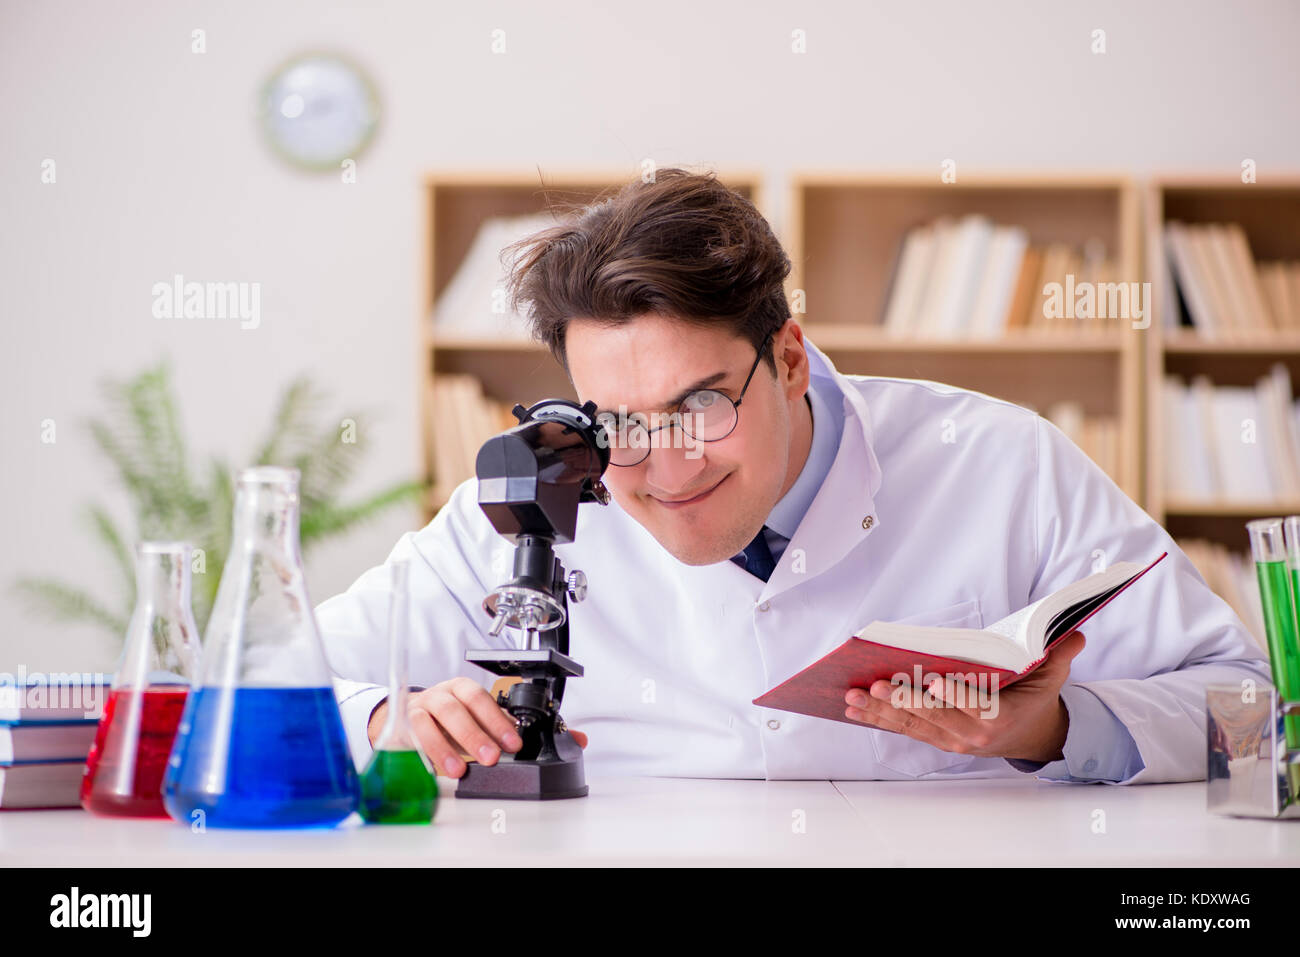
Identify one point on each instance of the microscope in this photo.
(531, 480)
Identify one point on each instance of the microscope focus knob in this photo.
(577, 585)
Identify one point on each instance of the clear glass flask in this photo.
(261, 743)
(398, 786)
(160, 658)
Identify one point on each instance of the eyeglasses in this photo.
(706, 415)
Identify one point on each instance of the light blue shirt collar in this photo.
(827, 426)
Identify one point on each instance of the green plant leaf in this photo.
(142, 438)
(292, 425)
(108, 535)
(63, 602)
(328, 464)
(214, 538)
(140, 435)
(326, 520)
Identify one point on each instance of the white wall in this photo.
(161, 170)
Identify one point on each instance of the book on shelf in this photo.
(1222, 292)
(462, 418)
(1020, 310)
(1230, 575)
(997, 285)
(1231, 443)
(1190, 279)
(971, 278)
(946, 306)
(1097, 435)
(1280, 284)
(1058, 259)
(914, 261)
(995, 656)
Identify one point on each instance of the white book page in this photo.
(1014, 642)
(962, 644)
(1034, 630)
(1016, 626)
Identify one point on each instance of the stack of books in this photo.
(1223, 292)
(462, 418)
(1231, 443)
(969, 278)
(46, 730)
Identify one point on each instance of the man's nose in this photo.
(673, 464)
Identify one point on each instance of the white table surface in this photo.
(648, 821)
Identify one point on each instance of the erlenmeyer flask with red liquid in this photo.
(125, 767)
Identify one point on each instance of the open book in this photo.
(1010, 648)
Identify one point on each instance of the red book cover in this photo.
(819, 689)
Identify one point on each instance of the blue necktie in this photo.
(758, 557)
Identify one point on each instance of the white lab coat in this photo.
(943, 506)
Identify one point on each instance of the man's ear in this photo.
(792, 359)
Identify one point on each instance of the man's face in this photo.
(732, 483)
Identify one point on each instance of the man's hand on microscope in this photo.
(455, 718)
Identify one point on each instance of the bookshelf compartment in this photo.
(846, 242)
(1091, 379)
(1246, 343)
(508, 375)
(850, 232)
(1268, 212)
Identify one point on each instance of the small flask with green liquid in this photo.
(398, 785)
(1277, 596)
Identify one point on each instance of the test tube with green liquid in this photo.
(398, 785)
(1277, 596)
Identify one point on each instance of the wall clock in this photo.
(319, 109)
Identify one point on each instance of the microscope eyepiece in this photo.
(532, 477)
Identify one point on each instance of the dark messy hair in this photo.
(683, 245)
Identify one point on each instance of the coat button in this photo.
(765, 606)
(868, 521)
(774, 724)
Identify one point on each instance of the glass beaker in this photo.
(261, 743)
(160, 656)
(398, 786)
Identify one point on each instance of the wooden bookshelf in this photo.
(1269, 213)
(455, 204)
(845, 230)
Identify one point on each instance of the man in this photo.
(790, 506)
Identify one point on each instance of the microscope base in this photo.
(513, 780)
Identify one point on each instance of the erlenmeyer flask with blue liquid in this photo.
(261, 742)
